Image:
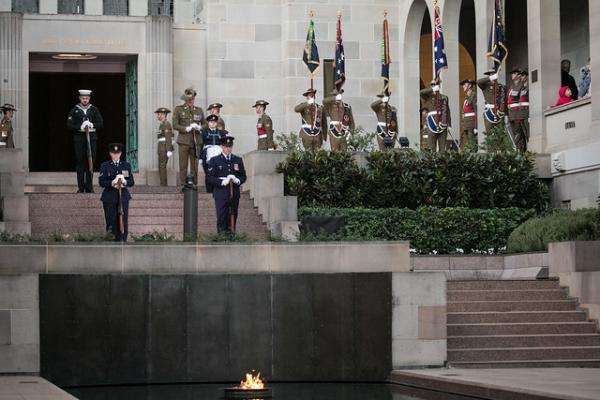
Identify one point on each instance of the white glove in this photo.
(475, 131)
(188, 129)
(224, 181)
(236, 181)
(436, 88)
(196, 126)
(338, 97)
(385, 99)
(230, 177)
(311, 100)
(169, 154)
(86, 123)
(114, 181)
(493, 77)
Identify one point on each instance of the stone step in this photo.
(515, 317)
(521, 328)
(524, 354)
(523, 284)
(506, 306)
(70, 189)
(592, 363)
(501, 295)
(515, 341)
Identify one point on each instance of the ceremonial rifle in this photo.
(89, 150)
(231, 210)
(120, 209)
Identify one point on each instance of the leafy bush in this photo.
(6, 237)
(409, 179)
(497, 140)
(154, 236)
(558, 226)
(223, 237)
(430, 230)
(359, 140)
(289, 143)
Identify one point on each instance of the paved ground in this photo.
(527, 383)
(30, 388)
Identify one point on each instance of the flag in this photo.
(339, 70)
(497, 49)
(439, 54)
(311, 53)
(386, 60)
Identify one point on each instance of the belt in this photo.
(469, 114)
(162, 139)
(381, 123)
(432, 113)
(524, 104)
(490, 106)
(514, 105)
(335, 122)
(90, 130)
(262, 136)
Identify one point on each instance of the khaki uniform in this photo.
(6, 134)
(221, 124)
(518, 114)
(440, 105)
(312, 115)
(264, 130)
(387, 123)
(165, 143)
(338, 114)
(469, 120)
(487, 88)
(188, 142)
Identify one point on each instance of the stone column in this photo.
(11, 65)
(595, 59)
(5, 5)
(138, 8)
(48, 6)
(484, 11)
(451, 77)
(93, 7)
(543, 30)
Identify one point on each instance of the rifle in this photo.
(89, 150)
(231, 210)
(120, 210)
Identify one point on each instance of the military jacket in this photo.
(487, 88)
(108, 172)
(264, 127)
(79, 114)
(387, 119)
(338, 111)
(469, 109)
(6, 134)
(219, 167)
(437, 104)
(221, 124)
(184, 116)
(312, 116)
(165, 136)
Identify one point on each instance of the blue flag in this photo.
(339, 71)
(439, 54)
(311, 53)
(497, 49)
(386, 60)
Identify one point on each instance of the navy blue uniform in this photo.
(110, 196)
(220, 167)
(76, 116)
(209, 138)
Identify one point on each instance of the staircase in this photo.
(57, 208)
(518, 323)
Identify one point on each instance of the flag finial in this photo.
(311, 13)
(339, 14)
(385, 13)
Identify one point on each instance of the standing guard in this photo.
(211, 139)
(215, 109)
(517, 101)
(264, 127)
(438, 118)
(312, 114)
(6, 129)
(115, 177)
(165, 143)
(468, 134)
(188, 120)
(341, 120)
(494, 94)
(226, 173)
(387, 122)
(84, 120)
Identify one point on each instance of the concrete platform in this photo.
(505, 384)
(30, 388)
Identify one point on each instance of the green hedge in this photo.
(430, 230)
(559, 226)
(409, 179)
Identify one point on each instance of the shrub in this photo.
(497, 140)
(154, 236)
(430, 230)
(558, 226)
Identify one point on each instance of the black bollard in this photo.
(190, 210)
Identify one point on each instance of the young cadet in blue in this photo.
(211, 138)
(112, 174)
(224, 170)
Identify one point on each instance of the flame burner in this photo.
(252, 387)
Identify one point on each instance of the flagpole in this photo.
(311, 15)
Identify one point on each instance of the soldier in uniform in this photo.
(468, 133)
(517, 102)
(115, 174)
(495, 108)
(188, 120)
(6, 129)
(264, 126)
(165, 143)
(311, 132)
(226, 174)
(211, 139)
(341, 120)
(438, 118)
(423, 111)
(84, 115)
(387, 122)
(215, 109)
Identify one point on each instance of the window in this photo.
(115, 7)
(26, 6)
(160, 7)
(70, 6)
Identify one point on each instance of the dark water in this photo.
(284, 391)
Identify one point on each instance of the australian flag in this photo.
(385, 58)
(311, 53)
(339, 71)
(497, 49)
(439, 54)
